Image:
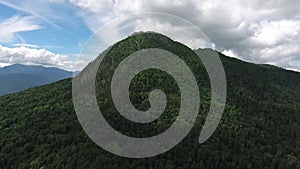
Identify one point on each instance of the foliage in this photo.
(259, 128)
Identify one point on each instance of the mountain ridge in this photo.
(259, 128)
(19, 77)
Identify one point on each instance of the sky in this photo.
(55, 32)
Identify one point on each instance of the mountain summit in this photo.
(259, 128)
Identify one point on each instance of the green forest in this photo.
(259, 128)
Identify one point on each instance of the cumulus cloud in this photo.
(270, 33)
(256, 31)
(229, 53)
(26, 55)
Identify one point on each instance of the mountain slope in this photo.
(19, 77)
(259, 128)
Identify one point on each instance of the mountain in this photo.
(259, 128)
(19, 77)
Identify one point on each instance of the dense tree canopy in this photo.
(259, 129)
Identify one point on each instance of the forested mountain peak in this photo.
(259, 128)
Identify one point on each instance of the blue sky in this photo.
(59, 28)
(53, 32)
(56, 29)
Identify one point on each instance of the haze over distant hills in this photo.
(19, 77)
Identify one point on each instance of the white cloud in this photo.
(270, 33)
(25, 55)
(183, 33)
(95, 6)
(95, 13)
(279, 52)
(10, 27)
(229, 53)
(4, 64)
(256, 31)
(37, 9)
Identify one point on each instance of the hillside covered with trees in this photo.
(259, 128)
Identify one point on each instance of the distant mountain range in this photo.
(19, 77)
